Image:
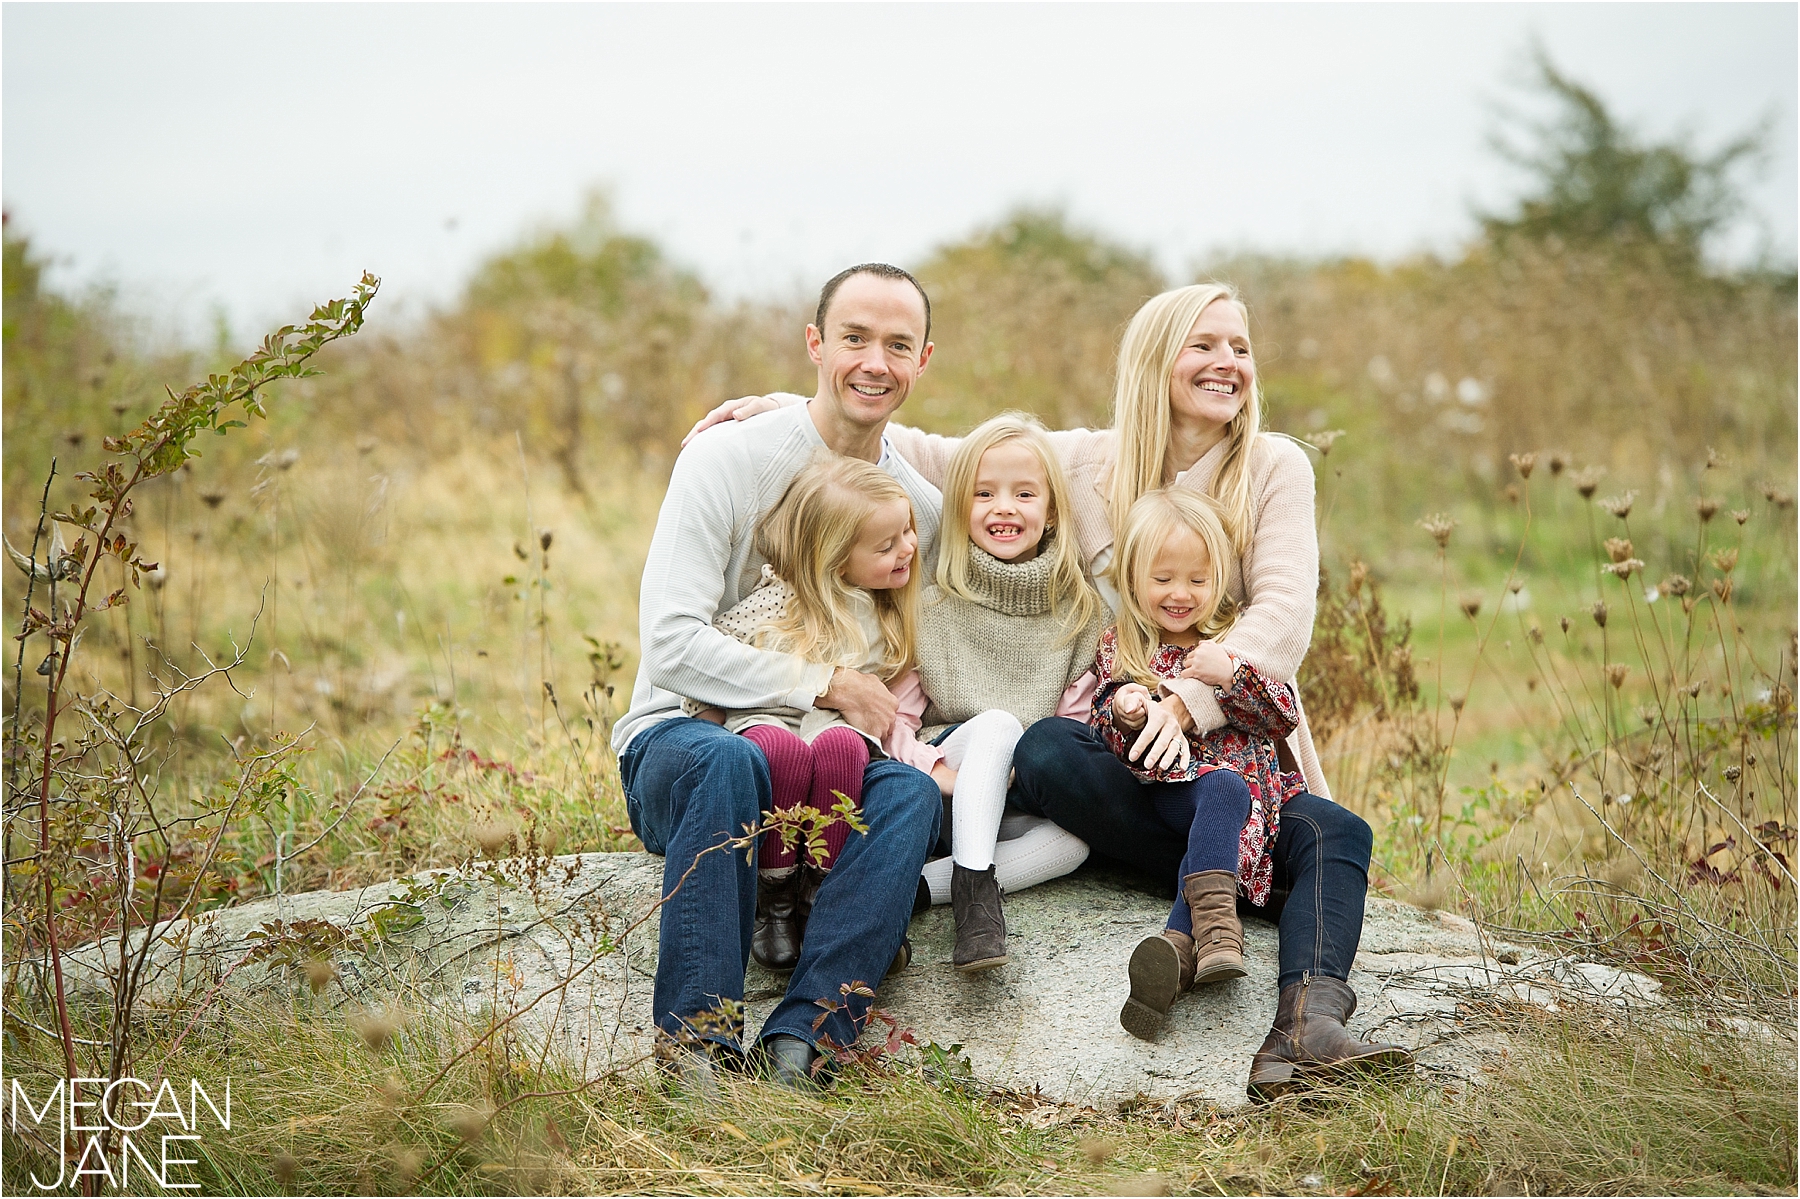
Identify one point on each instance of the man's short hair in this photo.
(881, 270)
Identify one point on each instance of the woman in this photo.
(1187, 413)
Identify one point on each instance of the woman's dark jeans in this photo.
(1068, 775)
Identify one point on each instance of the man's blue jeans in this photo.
(691, 786)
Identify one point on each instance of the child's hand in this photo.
(1162, 743)
(1130, 703)
(944, 777)
(1209, 663)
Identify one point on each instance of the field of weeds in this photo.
(385, 622)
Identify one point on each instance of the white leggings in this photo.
(1034, 851)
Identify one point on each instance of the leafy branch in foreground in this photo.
(94, 793)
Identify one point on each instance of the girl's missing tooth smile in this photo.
(1011, 503)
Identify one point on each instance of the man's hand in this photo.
(742, 408)
(1162, 743)
(1130, 703)
(861, 699)
(944, 777)
(1209, 663)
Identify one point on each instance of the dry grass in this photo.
(1583, 1103)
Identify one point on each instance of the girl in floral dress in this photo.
(1224, 789)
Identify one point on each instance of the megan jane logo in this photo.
(131, 1134)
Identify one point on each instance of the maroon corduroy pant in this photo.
(802, 773)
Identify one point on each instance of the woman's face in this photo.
(1176, 588)
(1214, 372)
(883, 554)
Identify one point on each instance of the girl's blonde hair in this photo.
(1148, 525)
(1070, 592)
(807, 538)
(1147, 353)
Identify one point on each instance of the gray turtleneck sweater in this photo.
(1004, 650)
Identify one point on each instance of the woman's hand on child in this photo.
(742, 408)
(944, 777)
(1177, 707)
(863, 700)
(1162, 743)
(1129, 706)
(1209, 663)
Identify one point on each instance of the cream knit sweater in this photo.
(1275, 583)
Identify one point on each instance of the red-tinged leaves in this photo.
(34, 620)
(1702, 871)
(115, 445)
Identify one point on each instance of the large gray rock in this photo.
(559, 945)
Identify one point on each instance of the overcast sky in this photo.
(256, 157)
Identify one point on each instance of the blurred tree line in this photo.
(1586, 321)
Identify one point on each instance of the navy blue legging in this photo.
(1210, 812)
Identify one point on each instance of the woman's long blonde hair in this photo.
(1071, 594)
(1147, 353)
(1154, 516)
(807, 538)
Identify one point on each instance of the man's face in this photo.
(872, 348)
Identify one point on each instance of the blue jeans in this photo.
(1068, 775)
(690, 786)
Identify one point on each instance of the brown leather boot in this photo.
(980, 920)
(1309, 1040)
(1218, 933)
(1162, 967)
(775, 940)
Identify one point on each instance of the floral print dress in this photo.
(1260, 710)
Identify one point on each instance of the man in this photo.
(690, 785)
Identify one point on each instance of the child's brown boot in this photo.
(1218, 933)
(775, 939)
(1162, 967)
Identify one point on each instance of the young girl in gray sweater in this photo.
(1006, 638)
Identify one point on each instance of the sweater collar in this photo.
(1013, 588)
